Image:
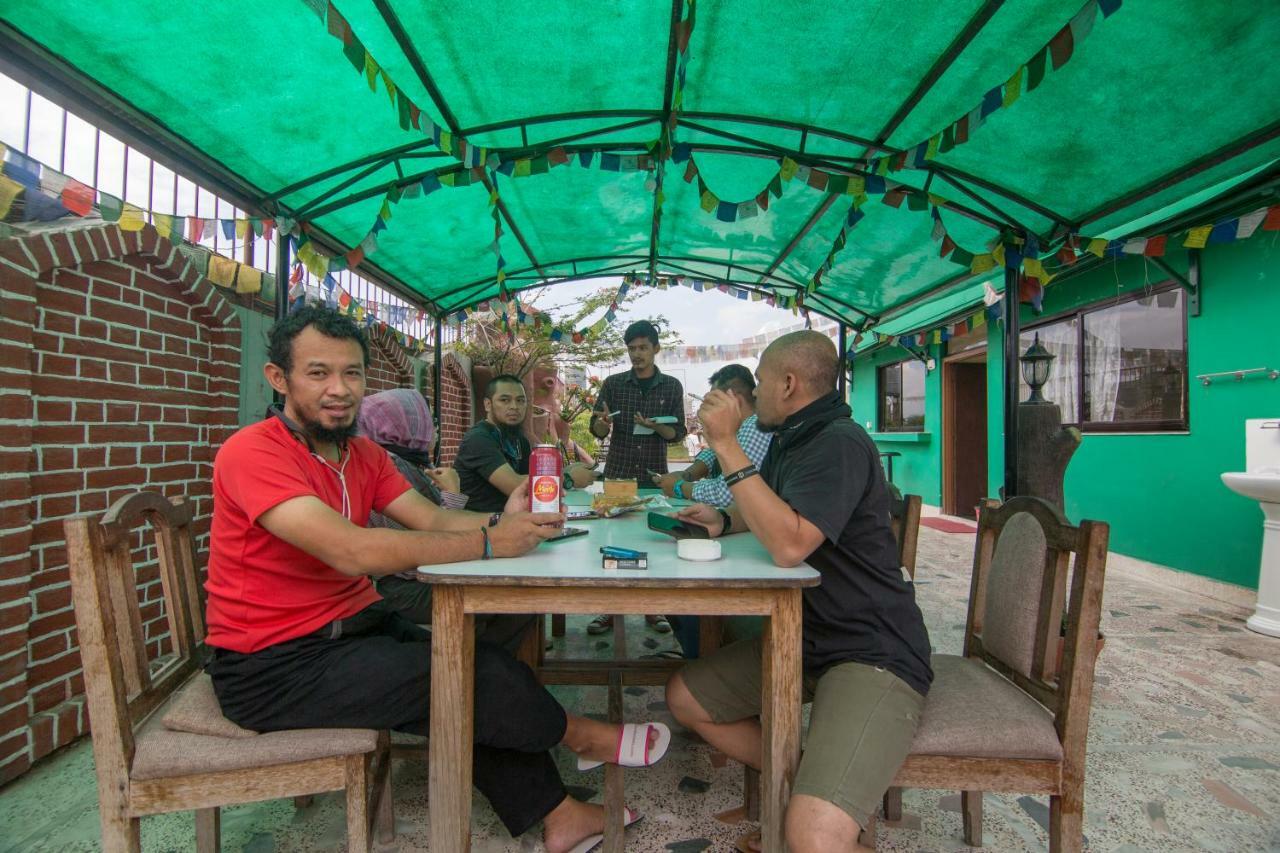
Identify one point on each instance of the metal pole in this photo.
(282, 274)
(842, 345)
(435, 390)
(1011, 375)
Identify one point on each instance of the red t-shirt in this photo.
(262, 590)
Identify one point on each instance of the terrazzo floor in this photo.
(1184, 750)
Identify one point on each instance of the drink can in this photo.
(546, 470)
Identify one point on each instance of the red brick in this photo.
(123, 336)
(49, 671)
(40, 251)
(89, 327)
(101, 247)
(93, 369)
(111, 271)
(91, 457)
(61, 244)
(131, 296)
(148, 413)
(45, 341)
(15, 461)
(52, 434)
(57, 459)
(56, 365)
(123, 456)
(49, 647)
(57, 322)
(83, 246)
(151, 454)
(122, 412)
(108, 477)
(53, 299)
(113, 312)
(171, 326)
(15, 615)
(114, 433)
(150, 376)
(123, 372)
(53, 410)
(93, 501)
(58, 507)
(88, 411)
(101, 349)
(56, 483)
(41, 735)
(171, 473)
(175, 433)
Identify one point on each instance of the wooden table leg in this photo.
(780, 717)
(710, 634)
(614, 800)
(452, 720)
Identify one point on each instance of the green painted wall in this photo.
(255, 393)
(919, 469)
(1160, 492)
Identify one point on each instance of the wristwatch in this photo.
(494, 519)
(678, 488)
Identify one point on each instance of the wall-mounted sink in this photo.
(1260, 481)
(1263, 486)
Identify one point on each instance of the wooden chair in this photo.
(904, 521)
(144, 767)
(1006, 716)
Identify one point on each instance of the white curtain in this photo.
(1102, 351)
(1064, 379)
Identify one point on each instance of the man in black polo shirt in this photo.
(820, 498)
(493, 459)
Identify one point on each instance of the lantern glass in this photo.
(1036, 364)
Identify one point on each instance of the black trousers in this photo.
(412, 599)
(376, 675)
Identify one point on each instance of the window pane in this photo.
(13, 112)
(1135, 361)
(110, 177)
(162, 189)
(45, 144)
(139, 178)
(890, 398)
(913, 374)
(186, 198)
(1062, 340)
(81, 142)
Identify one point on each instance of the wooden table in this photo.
(566, 577)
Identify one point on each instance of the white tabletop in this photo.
(743, 561)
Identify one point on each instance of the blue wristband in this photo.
(488, 548)
(678, 489)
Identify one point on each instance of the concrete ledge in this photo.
(902, 437)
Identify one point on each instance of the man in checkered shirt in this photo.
(638, 396)
(703, 481)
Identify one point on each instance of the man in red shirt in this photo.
(302, 640)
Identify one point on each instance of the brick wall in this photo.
(119, 370)
(455, 416)
(389, 365)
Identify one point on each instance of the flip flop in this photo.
(633, 746)
(591, 842)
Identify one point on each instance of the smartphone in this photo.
(569, 533)
(675, 528)
(581, 514)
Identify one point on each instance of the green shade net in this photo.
(1165, 104)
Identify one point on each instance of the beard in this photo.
(326, 435)
(766, 427)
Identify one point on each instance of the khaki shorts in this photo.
(860, 730)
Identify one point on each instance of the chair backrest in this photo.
(1019, 602)
(120, 684)
(904, 520)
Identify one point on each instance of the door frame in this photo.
(948, 421)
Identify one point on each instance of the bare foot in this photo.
(596, 741)
(569, 823)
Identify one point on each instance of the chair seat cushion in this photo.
(161, 753)
(973, 711)
(194, 709)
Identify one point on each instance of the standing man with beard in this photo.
(628, 404)
(493, 459)
(302, 640)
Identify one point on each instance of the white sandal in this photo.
(591, 842)
(633, 746)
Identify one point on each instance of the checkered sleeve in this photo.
(712, 490)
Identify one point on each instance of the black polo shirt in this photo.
(827, 469)
(484, 449)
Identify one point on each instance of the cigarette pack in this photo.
(624, 563)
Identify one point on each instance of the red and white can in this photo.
(546, 470)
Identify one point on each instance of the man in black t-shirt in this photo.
(493, 459)
(820, 497)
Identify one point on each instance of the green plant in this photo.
(530, 344)
(580, 432)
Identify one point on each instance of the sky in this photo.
(698, 318)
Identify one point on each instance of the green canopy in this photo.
(932, 124)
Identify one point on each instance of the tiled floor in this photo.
(1184, 750)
